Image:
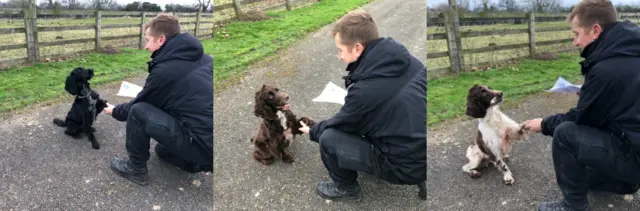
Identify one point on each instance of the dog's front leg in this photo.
(506, 172)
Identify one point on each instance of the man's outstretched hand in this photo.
(534, 125)
(306, 122)
(304, 128)
(108, 110)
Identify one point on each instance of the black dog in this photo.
(85, 108)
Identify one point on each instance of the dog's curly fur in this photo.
(278, 128)
(86, 106)
(495, 135)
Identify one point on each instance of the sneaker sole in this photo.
(348, 198)
(139, 182)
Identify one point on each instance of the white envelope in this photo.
(564, 86)
(129, 90)
(332, 93)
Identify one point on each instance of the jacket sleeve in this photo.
(591, 105)
(357, 105)
(150, 94)
(550, 123)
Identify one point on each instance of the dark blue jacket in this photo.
(610, 96)
(386, 102)
(180, 82)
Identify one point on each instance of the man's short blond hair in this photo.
(591, 12)
(164, 24)
(356, 27)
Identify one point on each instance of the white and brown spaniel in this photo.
(496, 132)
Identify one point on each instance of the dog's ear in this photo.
(70, 85)
(260, 108)
(475, 107)
(90, 73)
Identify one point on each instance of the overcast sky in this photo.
(565, 2)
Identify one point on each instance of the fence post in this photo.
(454, 41)
(141, 43)
(31, 32)
(532, 34)
(236, 7)
(98, 29)
(196, 31)
(289, 5)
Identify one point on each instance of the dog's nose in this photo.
(287, 97)
(500, 94)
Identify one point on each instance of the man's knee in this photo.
(328, 138)
(138, 110)
(565, 131)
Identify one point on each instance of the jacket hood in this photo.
(383, 57)
(617, 39)
(180, 47)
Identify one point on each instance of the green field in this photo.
(446, 97)
(248, 42)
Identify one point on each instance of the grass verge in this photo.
(446, 97)
(249, 42)
(24, 86)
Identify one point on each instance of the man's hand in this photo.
(534, 125)
(109, 109)
(304, 128)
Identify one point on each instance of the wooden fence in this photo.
(453, 37)
(237, 6)
(31, 31)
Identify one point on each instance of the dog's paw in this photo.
(508, 180)
(307, 121)
(266, 162)
(475, 173)
(287, 159)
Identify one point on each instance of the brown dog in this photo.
(278, 128)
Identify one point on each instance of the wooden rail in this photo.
(31, 31)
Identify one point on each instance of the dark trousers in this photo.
(174, 145)
(344, 155)
(586, 158)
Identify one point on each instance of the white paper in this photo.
(129, 90)
(564, 86)
(332, 93)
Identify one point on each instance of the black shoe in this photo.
(138, 175)
(558, 206)
(329, 190)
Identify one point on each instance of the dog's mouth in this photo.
(284, 107)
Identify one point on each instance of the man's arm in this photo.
(549, 123)
(357, 104)
(148, 94)
(591, 105)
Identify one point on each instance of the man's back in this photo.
(612, 70)
(395, 83)
(188, 92)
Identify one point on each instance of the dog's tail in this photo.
(59, 122)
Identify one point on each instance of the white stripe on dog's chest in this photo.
(283, 119)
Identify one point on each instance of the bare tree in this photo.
(543, 5)
(204, 4)
(508, 5)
